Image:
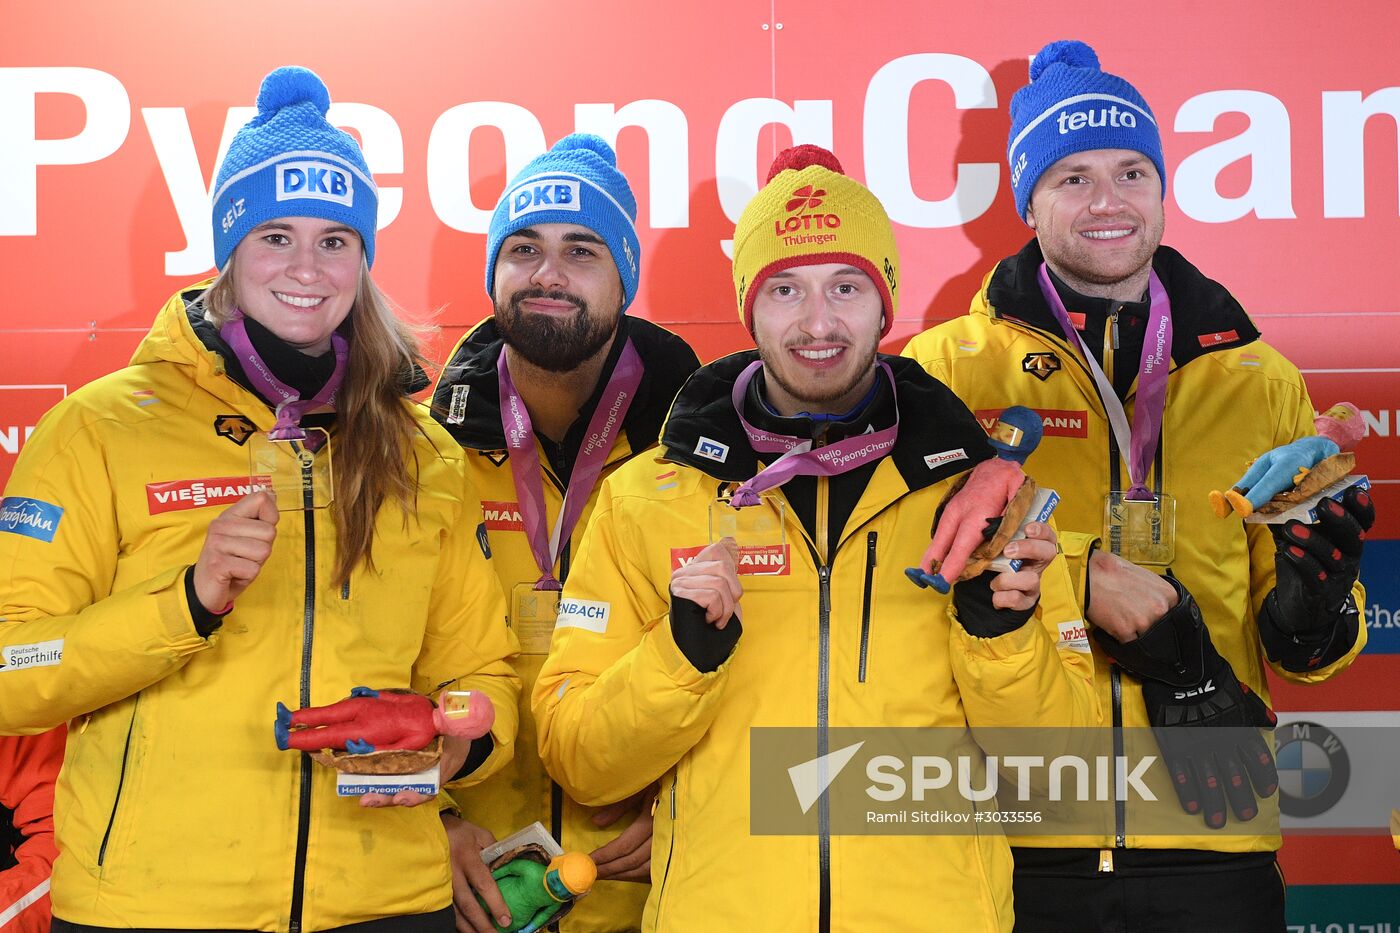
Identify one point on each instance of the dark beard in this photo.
(554, 344)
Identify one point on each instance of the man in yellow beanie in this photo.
(793, 484)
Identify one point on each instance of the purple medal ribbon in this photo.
(607, 418)
(797, 456)
(292, 406)
(1153, 367)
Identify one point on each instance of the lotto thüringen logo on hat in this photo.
(1071, 105)
(576, 182)
(288, 161)
(808, 213)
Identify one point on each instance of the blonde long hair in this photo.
(374, 427)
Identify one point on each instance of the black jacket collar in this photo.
(1205, 316)
(411, 381)
(932, 421)
(666, 362)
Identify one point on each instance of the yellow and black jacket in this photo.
(174, 807)
(523, 793)
(1230, 398)
(837, 638)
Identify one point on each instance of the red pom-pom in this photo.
(799, 157)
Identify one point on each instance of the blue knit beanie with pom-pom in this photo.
(1072, 105)
(289, 162)
(576, 182)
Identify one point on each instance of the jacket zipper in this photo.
(865, 606)
(556, 812)
(121, 780)
(823, 530)
(823, 741)
(1115, 675)
(1157, 477)
(1115, 532)
(670, 850)
(308, 629)
(1120, 805)
(556, 793)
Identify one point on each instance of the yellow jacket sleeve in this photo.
(1042, 673)
(617, 703)
(93, 646)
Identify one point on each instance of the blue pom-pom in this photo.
(292, 84)
(1070, 52)
(594, 144)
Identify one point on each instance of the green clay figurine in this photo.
(535, 892)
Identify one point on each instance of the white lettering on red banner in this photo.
(767, 559)
(502, 516)
(181, 494)
(1058, 422)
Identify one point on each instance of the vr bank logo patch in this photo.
(39, 654)
(29, 517)
(711, 449)
(934, 461)
(1074, 636)
(320, 181)
(552, 195)
(588, 614)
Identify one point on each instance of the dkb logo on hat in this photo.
(318, 180)
(562, 195)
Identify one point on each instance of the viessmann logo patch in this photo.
(1058, 422)
(765, 559)
(502, 516)
(181, 494)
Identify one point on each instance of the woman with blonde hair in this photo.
(161, 597)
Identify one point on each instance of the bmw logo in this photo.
(1313, 768)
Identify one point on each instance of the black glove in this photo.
(972, 601)
(1190, 692)
(703, 645)
(1309, 618)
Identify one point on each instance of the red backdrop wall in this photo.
(1279, 124)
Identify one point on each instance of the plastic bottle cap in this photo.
(577, 872)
